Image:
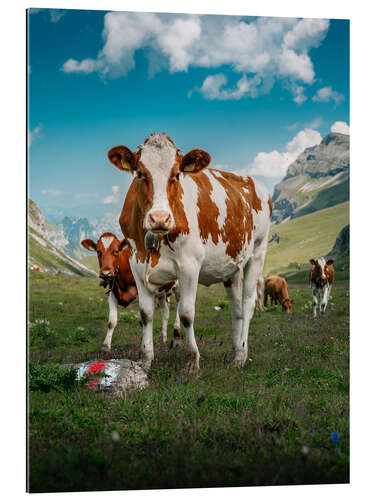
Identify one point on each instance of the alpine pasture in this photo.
(281, 419)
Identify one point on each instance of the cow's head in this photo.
(286, 304)
(108, 248)
(158, 165)
(319, 271)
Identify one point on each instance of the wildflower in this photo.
(217, 308)
(305, 450)
(335, 438)
(115, 436)
(179, 378)
(311, 431)
(331, 338)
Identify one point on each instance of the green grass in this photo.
(91, 261)
(224, 427)
(310, 236)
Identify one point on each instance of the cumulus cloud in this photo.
(326, 94)
(276, 163)
(34, 134)
(341, 128)
(260, 50)
(113, 198)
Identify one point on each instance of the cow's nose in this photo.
(105, 274)
(159, 220)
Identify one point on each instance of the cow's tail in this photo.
(260, 291)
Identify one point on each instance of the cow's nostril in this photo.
(167, 219)
(151, 218)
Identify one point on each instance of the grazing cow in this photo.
(212, 226)
(321, 278)
(115, 272)
(277, 288)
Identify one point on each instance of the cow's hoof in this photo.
(239, 359)
(192, 367)
(175, 343)
(146, 364)
(105, 348)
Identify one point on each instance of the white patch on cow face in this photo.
(219, 197)
(322, 263)
(107, 240)
(158, 156)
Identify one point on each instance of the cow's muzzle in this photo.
(160, 222)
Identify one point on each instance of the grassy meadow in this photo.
(268, 423)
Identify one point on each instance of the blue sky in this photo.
(253, 92)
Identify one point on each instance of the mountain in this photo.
(76, 229)
(317, 179)
(43, 252)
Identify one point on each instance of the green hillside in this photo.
(306, 237)
(326, 198)
(91, 261)
(50, 259)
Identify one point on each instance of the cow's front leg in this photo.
(324, 302)
(233, 288)
(164, 306)
(188, 282)
(146, 311)
(315, 293)
(112, 322)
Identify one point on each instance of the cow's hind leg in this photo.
(233, 288)
(252, 272)
(146, 306)
(177, 335)
(112, 322)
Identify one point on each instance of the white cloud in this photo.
(113, 198)
(52, 192)
(54, 14)
(260, 50)
(34, 134)
(276, 163)
(326, 94)
(341, 128)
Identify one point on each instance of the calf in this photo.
(321, 278)
(115, 272)
(277, 288)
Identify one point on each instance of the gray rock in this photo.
(121, 376)
(341, 247)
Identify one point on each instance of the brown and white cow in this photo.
(115, 272)
(321, 278)
(277, 288)
(213, 225)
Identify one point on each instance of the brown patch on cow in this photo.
(330, 273)
(270, 205)
(241, 200)
(175, 193)
(208, 210)
(137, 203)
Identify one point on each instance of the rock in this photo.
(121, 376)
(341, 247)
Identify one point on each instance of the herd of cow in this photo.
(185, 224)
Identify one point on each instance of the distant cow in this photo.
(213, 227)
(115, 272)
(277, 288)
(321, 278)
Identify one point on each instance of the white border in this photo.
(12, 94)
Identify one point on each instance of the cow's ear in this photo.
(123, 158)
(123, 244)
(313, 262)
(330, 262)
(195, 160)
(89, 245)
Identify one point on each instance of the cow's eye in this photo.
(139, 174)
(177, 175)
(99, 253)
(115, 252)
